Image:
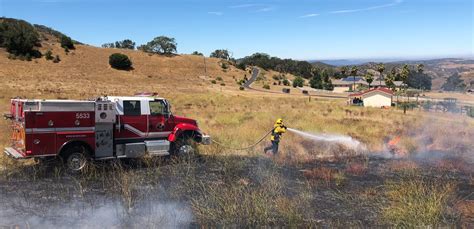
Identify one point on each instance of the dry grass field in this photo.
(308, 184)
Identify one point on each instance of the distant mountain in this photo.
(343, 62)
(320, 64)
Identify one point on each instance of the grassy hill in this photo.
(85, 72)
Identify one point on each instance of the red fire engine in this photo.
(105, 128)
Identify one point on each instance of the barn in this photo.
(376, 97)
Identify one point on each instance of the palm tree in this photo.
(394, 72)
(389, 81)
(369, 78)
(354, 71)
(404, 75)
(380, 69)
(343, 70)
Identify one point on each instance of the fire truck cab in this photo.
(106, 128)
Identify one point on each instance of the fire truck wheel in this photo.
(184, 147)
(75, 158)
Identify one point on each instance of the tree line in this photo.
(22, 40)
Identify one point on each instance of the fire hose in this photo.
(244, 148)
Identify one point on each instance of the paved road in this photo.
(256, 72)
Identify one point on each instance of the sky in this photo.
(298, 29)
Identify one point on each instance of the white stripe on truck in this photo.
(64, 129)
(143, 134)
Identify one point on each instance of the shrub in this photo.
(125, 44)
(222, 84)
(56, 59)
(219, 78)
(66, 42)
(48, 55)
(28, 57)
(196, 53)
(120, 61)
(298, 82)
(108, 45)
(241, 88)
(12, 56)
(221, 53)
(286, 82)
(224, 66)
(213, 81)
(266, 86)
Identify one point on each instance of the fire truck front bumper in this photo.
(13, 153)
(206, 139)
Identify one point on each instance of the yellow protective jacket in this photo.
(278, 129)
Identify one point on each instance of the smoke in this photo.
(100, 213)
(344, 140)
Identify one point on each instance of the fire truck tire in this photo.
(75, 158)
(184, 147)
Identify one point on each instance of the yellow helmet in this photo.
(279, 121)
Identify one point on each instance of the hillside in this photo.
(88, 66)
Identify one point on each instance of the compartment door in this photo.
(104, 140)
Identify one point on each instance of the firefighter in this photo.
(278, 130)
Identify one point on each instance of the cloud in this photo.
(243, 6)
(309, 15)
(394, 3)
(266, 9)
(217, 13)
(255, 7)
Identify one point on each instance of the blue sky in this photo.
(299, 29)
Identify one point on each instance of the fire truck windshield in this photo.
(158, 107)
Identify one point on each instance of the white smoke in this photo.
(100, 213)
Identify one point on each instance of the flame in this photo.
(394, 141)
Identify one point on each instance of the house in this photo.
(346, 84)
(381, 83)
(375, 97)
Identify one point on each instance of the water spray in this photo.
(337, 139)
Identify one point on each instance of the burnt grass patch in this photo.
(239, 191)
